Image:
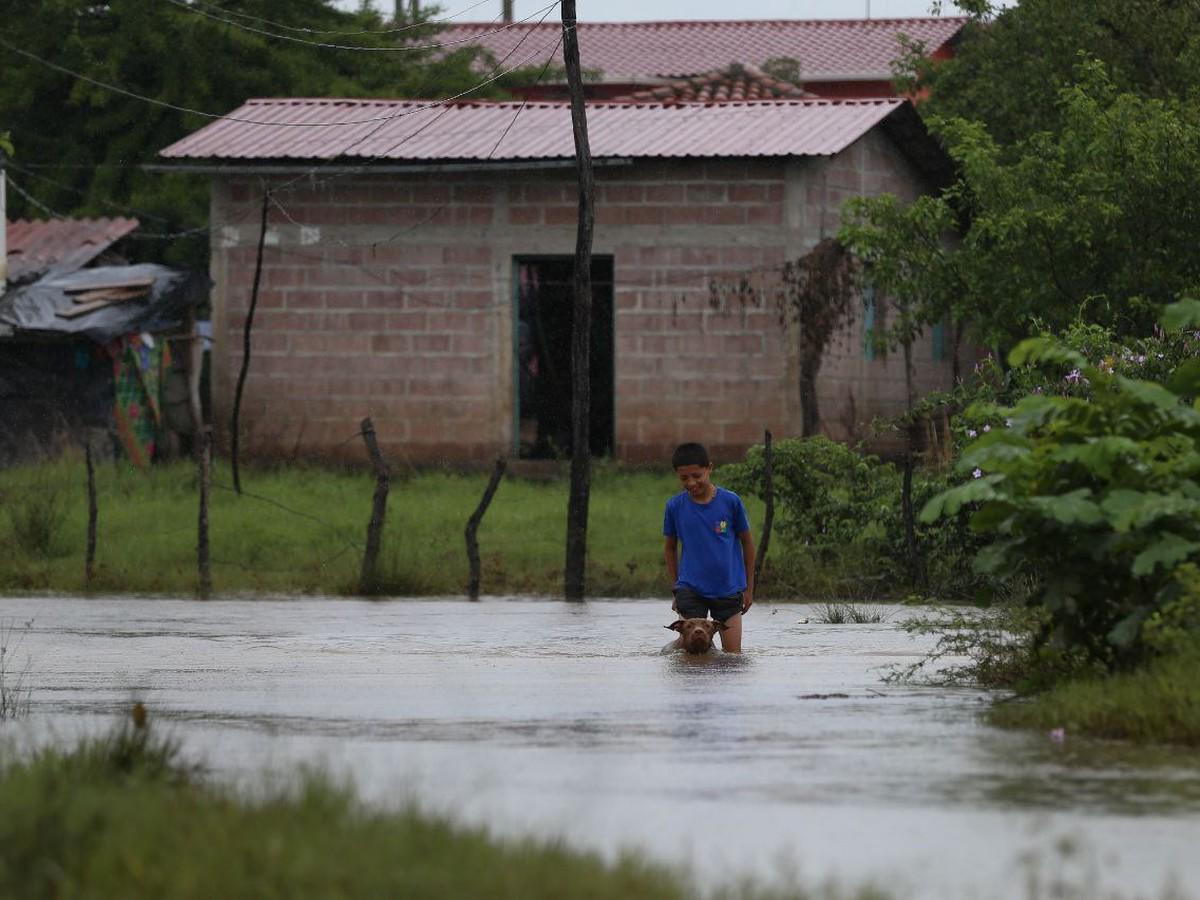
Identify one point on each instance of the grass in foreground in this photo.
(1157, 705)
(301, 529)
(121, 817)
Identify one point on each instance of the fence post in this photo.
(769, 516)
(204, 463)
(89, 568)
(473, 527)
(367, 578)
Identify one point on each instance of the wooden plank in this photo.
(114, 294)
(141, 281)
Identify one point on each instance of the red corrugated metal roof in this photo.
(413, 131)
(733, 83)
(828, 49)
(59, 246)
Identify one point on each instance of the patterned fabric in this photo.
(138, 369)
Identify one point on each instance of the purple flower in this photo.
(971, 432)
(1074, 376)
(1058, 735)
(978, 473)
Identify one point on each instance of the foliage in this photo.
(839, 522)
(1158, 704)
(1094, 222)
(36, 511)
(1097, 495)
(122, 816)
(301, 528)
(1011, 63)
(81, 148)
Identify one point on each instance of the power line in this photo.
(366, 31)
(327, 46)
(209, 115)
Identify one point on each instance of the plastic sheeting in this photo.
(35, 307)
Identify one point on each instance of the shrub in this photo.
(36, 513)
(1096, 494)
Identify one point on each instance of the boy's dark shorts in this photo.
(691, 605)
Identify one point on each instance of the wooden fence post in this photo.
(89, 567)
(473, 527)
(769, 517)
(204, 464)
(367, 578)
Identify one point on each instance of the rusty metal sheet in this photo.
(59, 246)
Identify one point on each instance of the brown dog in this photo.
(695, 635)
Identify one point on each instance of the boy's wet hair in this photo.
(690, 455)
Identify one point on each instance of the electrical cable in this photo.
(209, 115)
(367, 31)
(328, 46)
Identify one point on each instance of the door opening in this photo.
(544, 315)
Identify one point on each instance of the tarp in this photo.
(35, 307)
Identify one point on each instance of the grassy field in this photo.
(122, 817)
(300, 529)
(1157, 705)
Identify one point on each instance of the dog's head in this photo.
(696, 635)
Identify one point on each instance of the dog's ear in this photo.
(677, 625)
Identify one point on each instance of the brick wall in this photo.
(392, 296)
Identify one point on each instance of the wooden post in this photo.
(204, 463)
(581, 324)
(89, 566)
(506, 11)
(473, 527)
(234, 437)
(367, 578)
(769, 516)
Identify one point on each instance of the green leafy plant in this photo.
(1097, 496)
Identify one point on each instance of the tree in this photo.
(83, 145)
(818, 293)
(1094, 222)
(1011, 64)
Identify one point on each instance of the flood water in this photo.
(557, 720)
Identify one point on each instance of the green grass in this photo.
(147, 531)
(122, 817)
(1157, 705)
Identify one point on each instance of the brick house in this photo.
(827, 57)
(418, 264)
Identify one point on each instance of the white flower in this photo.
(971, 432)
(978, 473)
(987, 428)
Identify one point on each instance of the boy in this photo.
(716, 573)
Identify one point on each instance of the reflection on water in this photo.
(555, 719)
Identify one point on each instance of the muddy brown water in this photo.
(556, 720)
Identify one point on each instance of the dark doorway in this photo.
(544, 315)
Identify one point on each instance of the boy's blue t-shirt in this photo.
(712, 563)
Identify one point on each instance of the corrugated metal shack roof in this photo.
(828, 49)
(411, 131)
(59, 246)
(734, 83)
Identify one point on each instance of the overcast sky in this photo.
(642, 10)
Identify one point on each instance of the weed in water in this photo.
(848, 614)
(14, 692)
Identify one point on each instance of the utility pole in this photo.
(414, 10)
(506, 8)
(581, 321)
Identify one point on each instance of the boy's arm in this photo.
(747, 542)
(671, 557)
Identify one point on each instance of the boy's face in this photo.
(695, 480)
